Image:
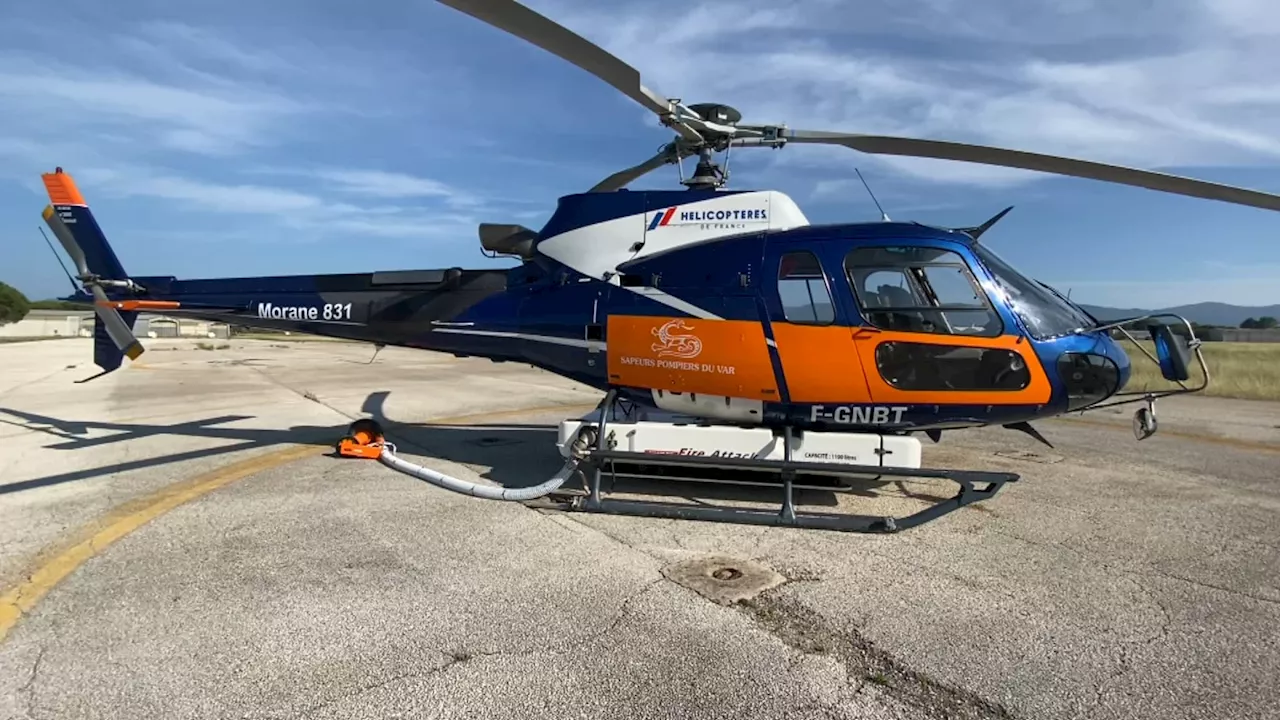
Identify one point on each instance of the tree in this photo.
(1249, 324)
(1267, 322)
(13, 304)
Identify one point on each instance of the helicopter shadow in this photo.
(510, 455)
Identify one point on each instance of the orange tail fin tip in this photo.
(61, 188)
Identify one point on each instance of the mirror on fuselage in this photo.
(1172, 352)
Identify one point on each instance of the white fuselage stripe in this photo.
(552, 339)
(674, 302)
(598, 249)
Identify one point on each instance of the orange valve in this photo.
(363, 440)
(366, 431)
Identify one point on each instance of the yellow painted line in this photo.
(121, 521)
(124, 520)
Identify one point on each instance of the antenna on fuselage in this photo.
(74, 288)
(884, 216)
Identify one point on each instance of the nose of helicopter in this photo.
(1091, 367)
(1116, 354)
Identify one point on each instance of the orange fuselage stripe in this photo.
(837, 364)
(1037, 392)
(141, 304)
(715, 357)
(821, 364)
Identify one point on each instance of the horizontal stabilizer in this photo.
(507, 239)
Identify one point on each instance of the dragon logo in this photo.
(672, 343)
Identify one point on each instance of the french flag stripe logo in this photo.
(662, 218)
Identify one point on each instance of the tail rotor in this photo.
(97, 270)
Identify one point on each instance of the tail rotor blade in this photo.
(1001, 157)
(117, 329)
(65, 238)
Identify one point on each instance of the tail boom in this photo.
(387, 308)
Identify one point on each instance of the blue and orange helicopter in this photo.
(735, 341)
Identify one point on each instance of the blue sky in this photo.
(238, 138)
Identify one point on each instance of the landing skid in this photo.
(596, 453)
(975, 486)
(711, 454)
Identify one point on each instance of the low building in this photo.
(49, 323)
(1270, 335)
(79, 323)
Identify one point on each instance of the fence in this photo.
(1216, 334)
(1241, 335)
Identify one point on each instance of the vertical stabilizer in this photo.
(97, 269)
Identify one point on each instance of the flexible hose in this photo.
(489, 492)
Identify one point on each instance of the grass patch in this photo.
(211, 346)
(1250, 371)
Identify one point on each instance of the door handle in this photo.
(866, 329)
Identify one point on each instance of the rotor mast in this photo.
(716, 119)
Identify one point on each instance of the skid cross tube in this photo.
(600, 460)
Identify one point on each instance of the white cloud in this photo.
(250, 199)
(1182, 83)
(66, 99)
(394, 185)
(367, 133)
(313, 214)
(178, 115)
(161, 40)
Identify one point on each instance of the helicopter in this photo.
(735, 341)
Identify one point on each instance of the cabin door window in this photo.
(819, 361)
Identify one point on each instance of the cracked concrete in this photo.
(867, 665)
(1121, 581)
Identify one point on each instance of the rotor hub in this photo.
(717, 113)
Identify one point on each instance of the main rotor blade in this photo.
(622, 178)
(558, 40)
(942, 150)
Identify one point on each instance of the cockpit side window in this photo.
(920, 289)
(802, 288)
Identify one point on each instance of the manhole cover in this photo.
(723, 579)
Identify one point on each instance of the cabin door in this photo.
(820, 362)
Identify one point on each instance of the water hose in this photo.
(490, 492)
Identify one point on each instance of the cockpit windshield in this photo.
(1042, 310)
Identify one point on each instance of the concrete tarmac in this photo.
(1115, 579)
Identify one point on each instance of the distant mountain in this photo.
(1209, 313)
